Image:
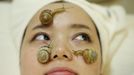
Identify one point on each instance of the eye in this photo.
(82, 37)
(41, 37)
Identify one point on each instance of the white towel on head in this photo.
(109, 21)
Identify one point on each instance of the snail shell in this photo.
(43, 55)
(46, 17)
(90, 56)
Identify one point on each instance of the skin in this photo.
(66, 30)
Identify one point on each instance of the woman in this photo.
(66, 38)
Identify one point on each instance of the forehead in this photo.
(72, 14)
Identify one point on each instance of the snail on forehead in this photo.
(89, 55)
(47, 15)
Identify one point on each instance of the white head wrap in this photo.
(108, 20)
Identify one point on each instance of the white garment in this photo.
(109, 21)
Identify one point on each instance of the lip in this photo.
(61, 71)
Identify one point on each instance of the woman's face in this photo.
(71, 30)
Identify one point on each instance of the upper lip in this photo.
(61, 69)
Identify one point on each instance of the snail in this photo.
(46, 16)
(43, 55)
(89, 55)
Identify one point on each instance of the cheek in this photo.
(28, 60)
(89, 69)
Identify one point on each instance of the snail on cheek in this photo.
(89, 55)
(43, 54)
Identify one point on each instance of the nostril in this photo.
(65, 56)
(55, 56)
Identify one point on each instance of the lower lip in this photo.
(61, 73)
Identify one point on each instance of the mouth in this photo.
(61, 71)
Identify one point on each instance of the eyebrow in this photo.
(79, 26)
(40, 26)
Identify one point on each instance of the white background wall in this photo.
(7, 56)
(123, 63)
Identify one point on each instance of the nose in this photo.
(61, 53)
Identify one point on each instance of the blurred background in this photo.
(122, 64)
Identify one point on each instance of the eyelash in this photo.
(85, 37)
(45, 37)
